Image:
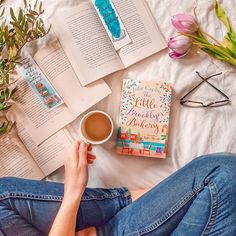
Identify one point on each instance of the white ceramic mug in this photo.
(96, 116)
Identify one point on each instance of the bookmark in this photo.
(112, 23)
(39, 83)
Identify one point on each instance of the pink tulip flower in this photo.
(184, 23)
(180, 45)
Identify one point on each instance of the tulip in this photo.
(184, 23)
(180, 45)
(187, 26)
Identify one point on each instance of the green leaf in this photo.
(13, 15)
(230, 43)
(7, 93)
(222, 16)
(6, 127)
(215, 54)
(42, 30)
(23, 22)
(35, 4)
(30, 20)
(25, 3)
(49, 29)
(26, 26)
(41, 7)
(1, 64)
(30, 16)
(3, 128)
(20, 15)
(33, 12)
(7, 107)
(2, 13)
(13, 92)
(232, 38)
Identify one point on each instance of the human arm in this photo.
(76, 178)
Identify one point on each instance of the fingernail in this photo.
(86, 142)
(83, 145)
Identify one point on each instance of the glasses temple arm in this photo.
(206, 80)
(194, 88)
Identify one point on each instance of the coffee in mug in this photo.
(96, 127)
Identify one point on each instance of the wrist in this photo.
(72, 197)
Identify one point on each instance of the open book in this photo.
(38, 120)
(21, 157)
(89, 47)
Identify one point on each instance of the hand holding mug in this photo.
(76, 170)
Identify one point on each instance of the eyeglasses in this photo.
(196, 104)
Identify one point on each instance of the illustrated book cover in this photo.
(144, 118)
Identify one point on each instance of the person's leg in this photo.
(135, 194)
(199, 199)
(29, 207)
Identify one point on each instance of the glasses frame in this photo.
(200, 103)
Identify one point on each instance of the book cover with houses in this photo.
(144, 118)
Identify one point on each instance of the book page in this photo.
(56, 66)
(15, 160)
(49, 155)
(86, 43)
(39, 122)
(143, 31)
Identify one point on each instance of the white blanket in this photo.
(193, 132)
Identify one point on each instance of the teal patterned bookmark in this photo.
(112, 23)
(110, 17)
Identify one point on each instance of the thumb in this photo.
(83, 152)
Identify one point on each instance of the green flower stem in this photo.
(220, 51)
(209, 36)
(195, 37)
(218, 48)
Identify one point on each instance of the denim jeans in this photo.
(199, 199)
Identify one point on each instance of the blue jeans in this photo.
(199, 199)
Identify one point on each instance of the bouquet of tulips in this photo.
(190, 33)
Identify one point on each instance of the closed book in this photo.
(144, 118)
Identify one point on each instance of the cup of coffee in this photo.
(96, 127)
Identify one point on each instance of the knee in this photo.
(226, 159)
(225, 163)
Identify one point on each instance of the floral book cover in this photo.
(144, 118)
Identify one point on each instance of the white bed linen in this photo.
(193, 132)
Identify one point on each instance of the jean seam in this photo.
(128, 200)
(11, 195)
(127, 197)
(214, 207)
(124, 193)
(185, 199)
(121, 192)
